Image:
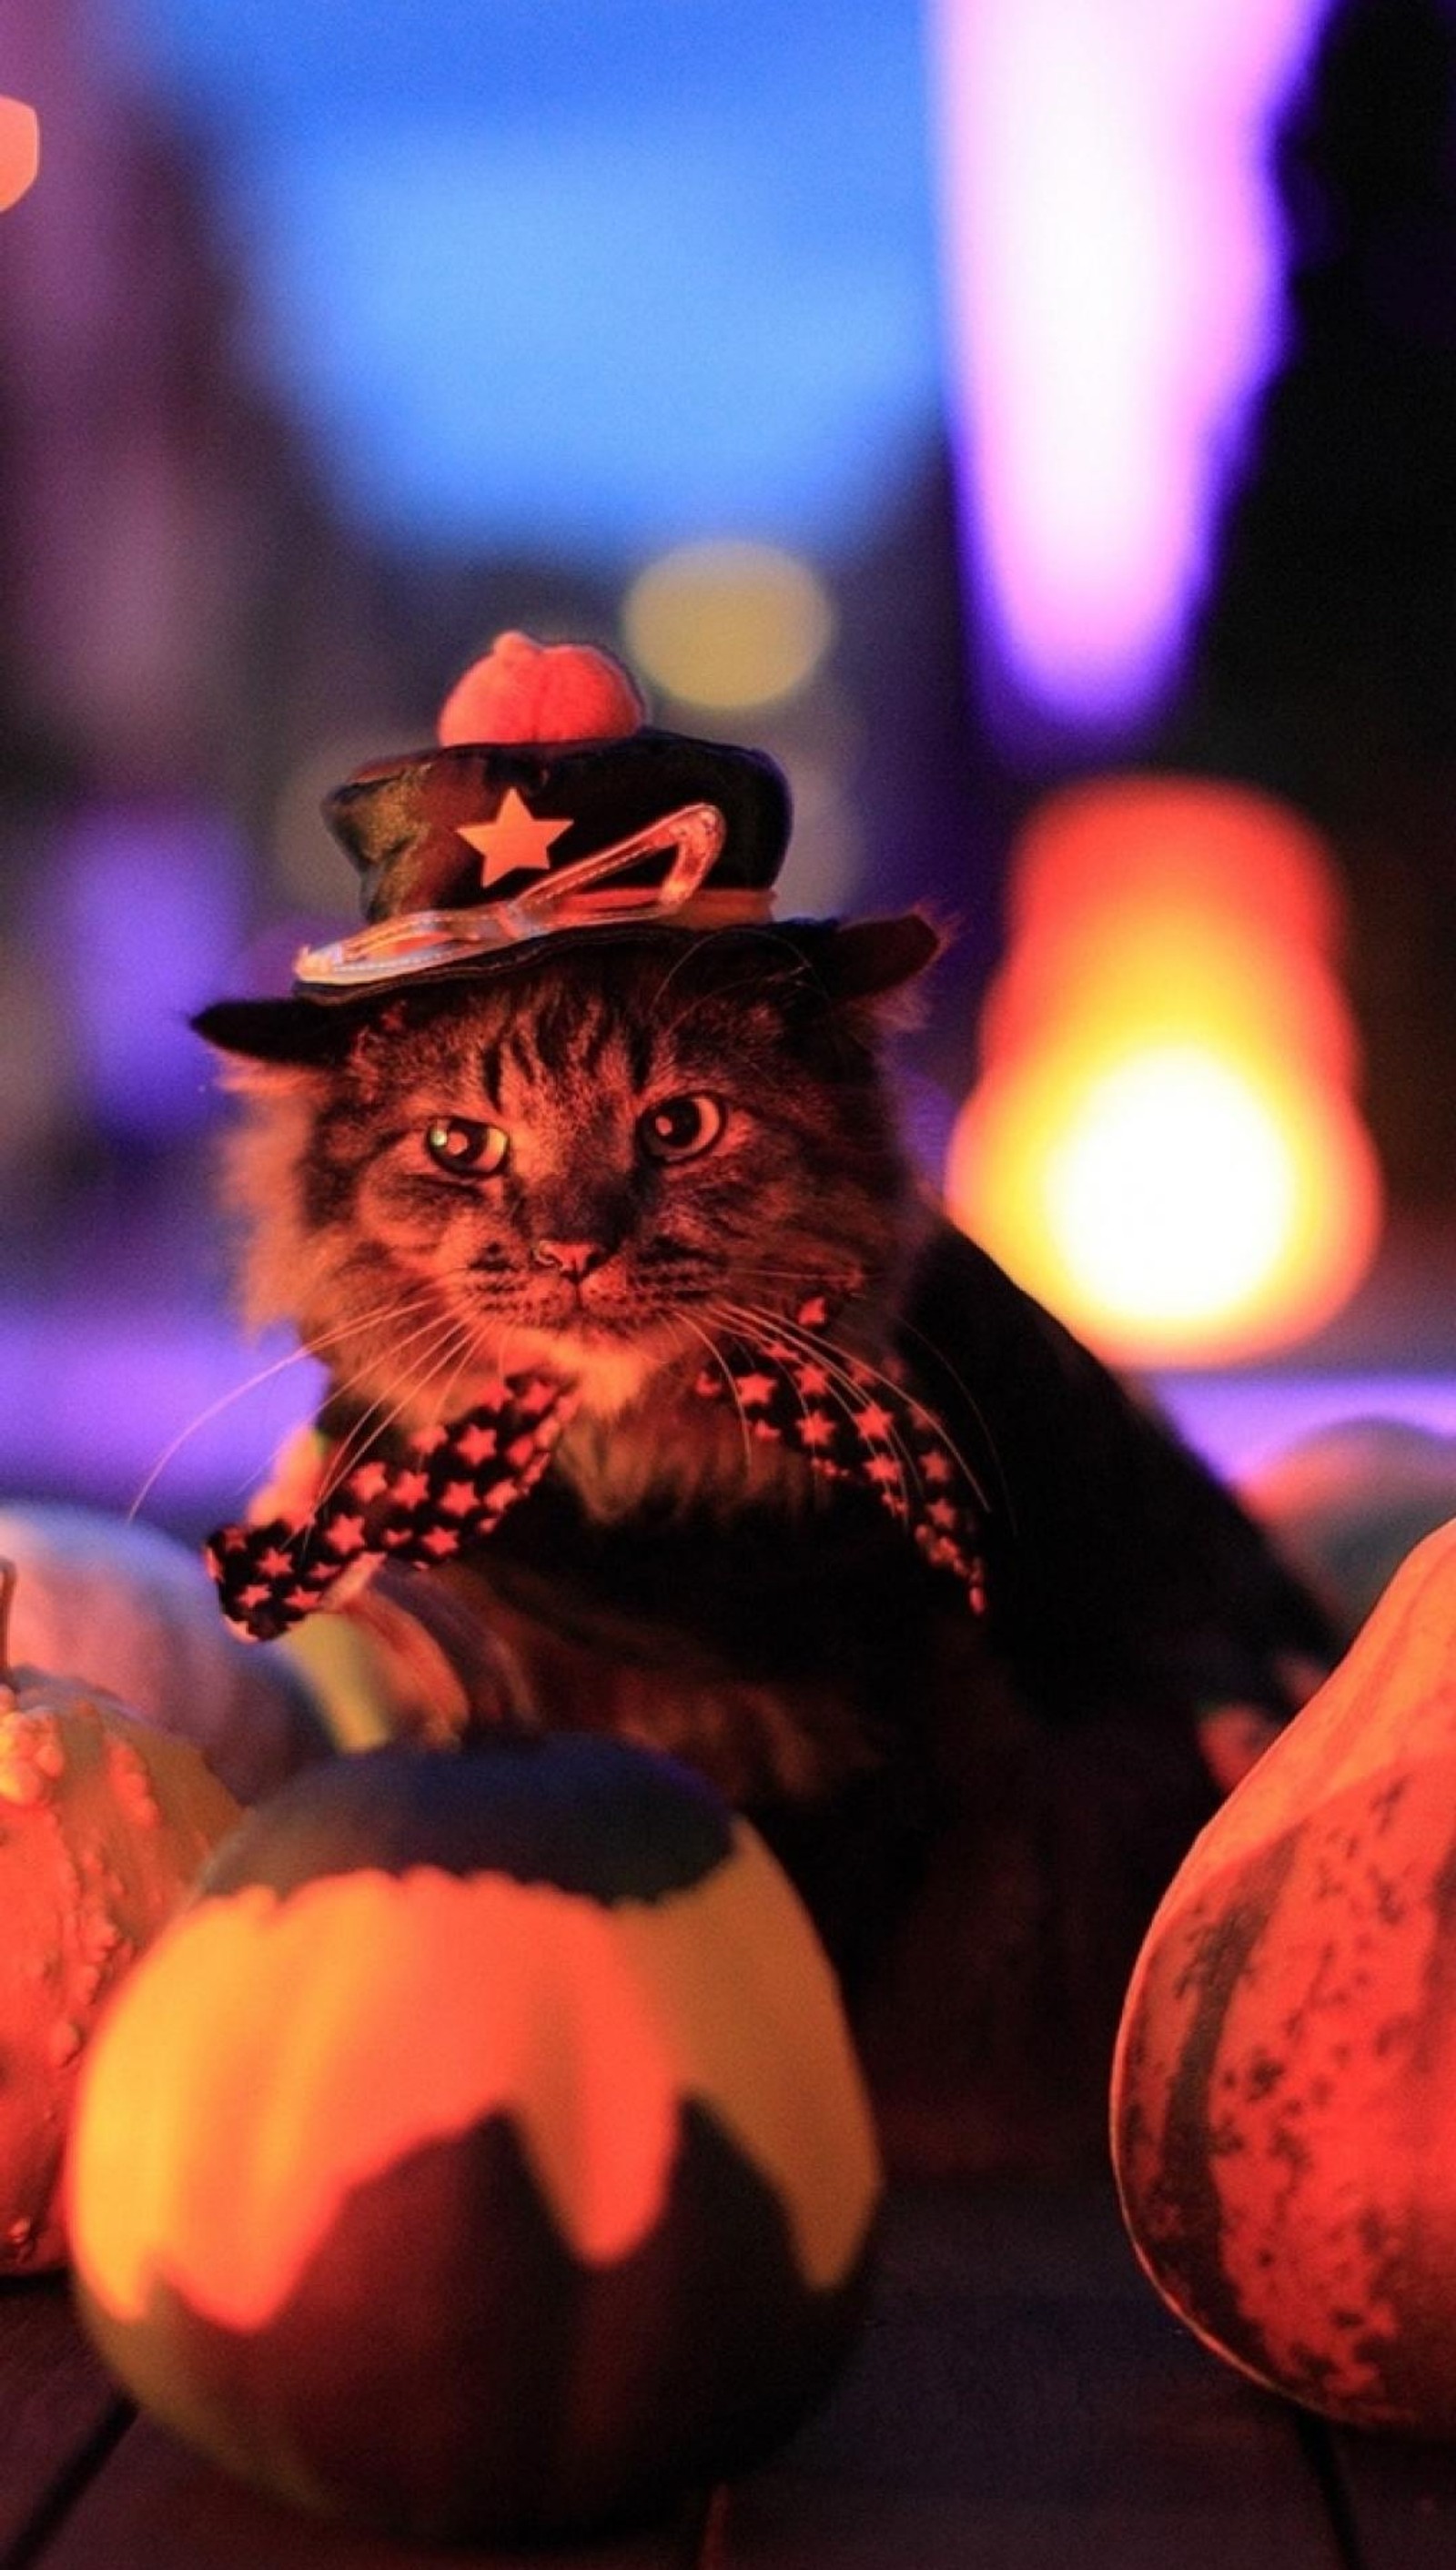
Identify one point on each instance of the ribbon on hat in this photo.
(452, 1486)
(589, 893)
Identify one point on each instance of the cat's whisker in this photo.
(818, 1347)
(814, 1276)
(843, 1390)
(469, 1349)
(828, 1351)
(398, 1305)
(767, 1341)
(326, 1341)
(763, 1344)
(818, 1276)
(350, 1448)
(953, 1375)
(437, 1313)
(455, 1344)
(443, 1332)
(724, 1368)
(436, 1317)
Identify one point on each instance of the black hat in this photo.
(549, 808)
(548, 816)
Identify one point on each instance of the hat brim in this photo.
(317, 1022)
(856, 959)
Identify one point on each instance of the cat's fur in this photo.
(980, 1819)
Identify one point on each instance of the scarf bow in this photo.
(448, 1490)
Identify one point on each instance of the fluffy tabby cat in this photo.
(617, 1163)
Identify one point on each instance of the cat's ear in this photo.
(292, 1033)
(864, 958)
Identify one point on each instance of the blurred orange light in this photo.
(1164, 1148)
(1179, 1206)
(20, 150)
(1129, 841)
(1168, 971)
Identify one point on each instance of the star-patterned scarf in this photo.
(447, 1493)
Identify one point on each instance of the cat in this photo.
(623, 1164)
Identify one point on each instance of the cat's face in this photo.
(603, 1166)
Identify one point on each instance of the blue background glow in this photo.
(587, 278)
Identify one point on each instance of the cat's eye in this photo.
(457, 1142)
(679, 1128)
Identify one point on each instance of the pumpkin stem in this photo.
(7, 1600)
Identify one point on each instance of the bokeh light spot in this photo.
(20, 149)
(1165, 1145)
(728, 625)
(1173, 1193)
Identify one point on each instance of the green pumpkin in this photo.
(483, 2155)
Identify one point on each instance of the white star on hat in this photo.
(515, 842)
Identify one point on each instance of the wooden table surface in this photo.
(1020, 2401)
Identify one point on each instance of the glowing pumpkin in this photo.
(1285, 2089)
(104, 1824)
(483, 2153)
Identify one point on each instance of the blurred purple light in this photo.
(1112, 278)
(94, 1395)
(1242, 1422)
(149, 908)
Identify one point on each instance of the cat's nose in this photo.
(573, 1258)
